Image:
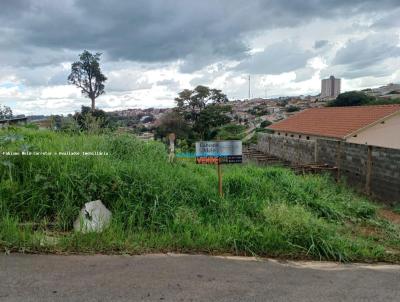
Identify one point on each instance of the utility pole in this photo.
(249, 88)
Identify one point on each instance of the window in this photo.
(308, 137)
(299, 136)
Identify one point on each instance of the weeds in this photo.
(157, 206)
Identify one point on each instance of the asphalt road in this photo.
(190, 278)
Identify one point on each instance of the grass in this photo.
(159, 206)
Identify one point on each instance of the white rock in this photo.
(94, 217)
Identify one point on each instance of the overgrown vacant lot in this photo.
(157, 206)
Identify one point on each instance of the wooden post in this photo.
(369, 171)
(171, 155)
(338, 160)
(221, 193)
(316, 151)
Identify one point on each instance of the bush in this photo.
(265, 124)
(292, 108)
(231, 132)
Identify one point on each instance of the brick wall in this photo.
(374, 170)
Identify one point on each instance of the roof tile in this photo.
(337, 122)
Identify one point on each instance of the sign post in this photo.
(171, 148)
(218, 153)
(221, 193)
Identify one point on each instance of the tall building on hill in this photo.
(330, 88)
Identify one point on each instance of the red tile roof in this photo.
(337, 122)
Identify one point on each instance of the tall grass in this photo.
(158, 206)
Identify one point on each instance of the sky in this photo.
(152, 49)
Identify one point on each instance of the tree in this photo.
(213, 116)
(88, 117)
(172, 122)
(351, 98)
(192, 102)
(5, 112)
(86, 75)
(292, 108)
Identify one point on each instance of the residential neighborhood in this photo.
(199, 150)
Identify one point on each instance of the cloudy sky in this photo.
(153, 49)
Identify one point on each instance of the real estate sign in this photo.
(219, 152)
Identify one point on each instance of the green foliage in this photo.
(192, 102)
(209, 119)
(384, 102)
(198, 116)
(31, 126)
(89, 120)
(265, 124)
(5, 112)
(360, 98)
(292, 108)
(251, 141)
(172, 122)
(86, 74)
(231, 132)
(259, 110)
(69, 124)
(351, 98)
(157, 206)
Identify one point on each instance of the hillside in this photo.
(159, 206)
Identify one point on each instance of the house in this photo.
(371, 125)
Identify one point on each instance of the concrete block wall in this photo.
(291, 149)
(373, 170)
(385, 176)
(350, 159)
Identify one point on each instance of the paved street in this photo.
(190, 278)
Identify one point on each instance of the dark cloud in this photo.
(156, 31)
(376, 55)
(358, 55)
(320, 43)
(304, 74)
(281, 57)
(390, 20)
(169, 83)
(343, 71)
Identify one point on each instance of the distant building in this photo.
(388, 91)
(371, 125)
(330, 88)
(13, 121)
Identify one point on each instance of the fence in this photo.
(374, 170)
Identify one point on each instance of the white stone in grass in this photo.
(94, 217)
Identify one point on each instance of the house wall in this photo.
(295, 135)
(382, 135)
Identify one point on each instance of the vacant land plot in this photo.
(159, 206)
